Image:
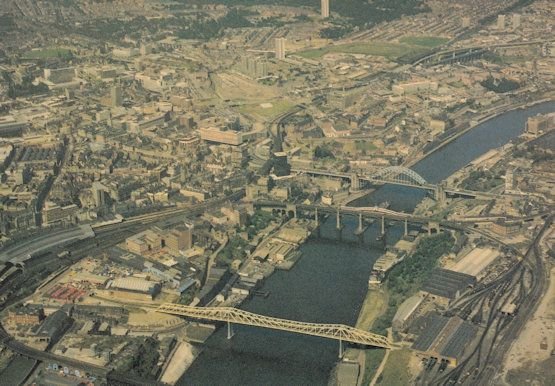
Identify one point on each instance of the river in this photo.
(329, 282)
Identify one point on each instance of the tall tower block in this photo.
(501, 22)
(516, 20)
(325, 9)
(280, 48)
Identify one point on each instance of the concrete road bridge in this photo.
(339, 332)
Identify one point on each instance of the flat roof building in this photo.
(228, 137)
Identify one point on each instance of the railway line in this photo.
(483, 363)
(31, 274)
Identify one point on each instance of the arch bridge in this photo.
(231, 315)
(395, 175)
(399, 175)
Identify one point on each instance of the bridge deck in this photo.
(234, 315)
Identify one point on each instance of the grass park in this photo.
(410, 45)
(267, 111)
(48, 53)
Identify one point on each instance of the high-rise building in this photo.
(116, 98)
(501, 22)
(325, 8)
(254, 67)
(180, 238)
(516, 20)
(280, 48)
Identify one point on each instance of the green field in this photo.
(391, 51)
(395, 372)
(47, 53)
(373, 359)
(365, 145)
(424, 41)
(278, 107)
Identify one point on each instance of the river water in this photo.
(329, 283)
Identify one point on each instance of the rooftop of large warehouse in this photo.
(447, 283)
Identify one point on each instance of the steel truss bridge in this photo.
(231, 315)
(396, 175)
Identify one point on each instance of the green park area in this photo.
(48, 53)
(267, 111)
(405, 279)
(391, 51)
(373, 359)
(423, 41)
(407, 47)
(396, 371)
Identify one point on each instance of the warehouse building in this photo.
(475, 262)
(135, 285)
(443, 338)
(445, 285)
(53, 328)
(405, 313)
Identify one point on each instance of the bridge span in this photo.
(340, 332)
(397, 175)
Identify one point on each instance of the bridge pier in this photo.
(355, 182)
(230, 332)
(291, 208)
(433, 226)
(440, 194)
(316, 218)
(340, 348)
(361, 228)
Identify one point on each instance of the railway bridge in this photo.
(360, 212)
(339, 332)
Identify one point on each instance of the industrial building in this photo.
(445, 285)
(53, 327)
(135, 285)
(540, 123)
(405, 313)
(443, 338)
(110, 314)
(10, 127)
(475, 262)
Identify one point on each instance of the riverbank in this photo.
(480, 119)
(329, 276)
(374, 305)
